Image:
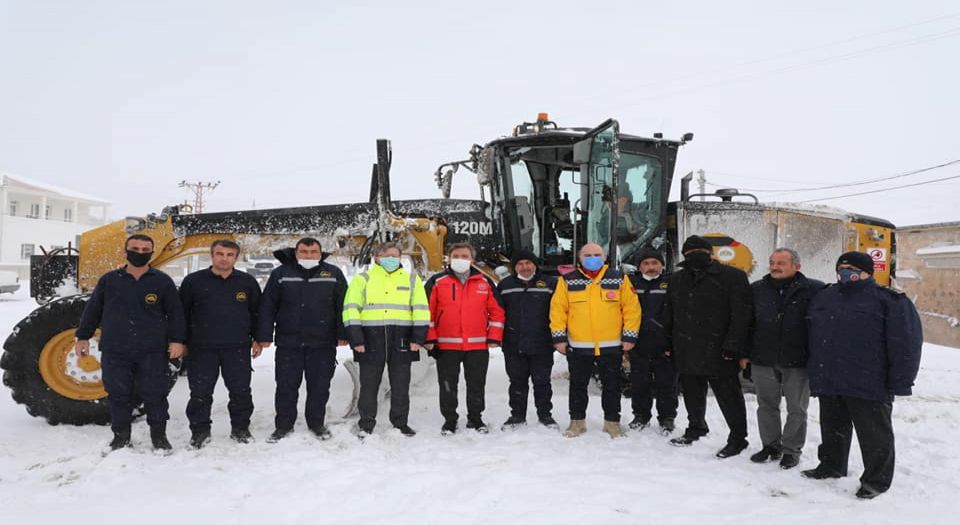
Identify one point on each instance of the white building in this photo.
(35, 214)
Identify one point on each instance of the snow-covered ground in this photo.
(50, 474)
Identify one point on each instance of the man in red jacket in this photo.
(465, 322)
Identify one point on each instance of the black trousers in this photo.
(141, 373)
(292, 365)
(581, 370)
(839, 416)
(729, 394)
(522, 369)
(653, 377)
(475, 364)
(204, 367)
(371, 374)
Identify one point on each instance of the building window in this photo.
(34, 211)
(68, 214)
(26, 250)
(13, 208)
(46, 212)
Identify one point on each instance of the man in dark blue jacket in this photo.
(778, 356)
(141, 322)
(303, 299)
(220, 305)
(527, 343)
(651, 370)
(865, 343)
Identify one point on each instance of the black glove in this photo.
(435, 353)
(748, 373)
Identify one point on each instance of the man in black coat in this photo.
(139, 314)
(707, 323)
(220, 304)
(778, 356)
(865, 344)
(304, 300)
(527, 343)
(651, 370)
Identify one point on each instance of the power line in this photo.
(884, 189)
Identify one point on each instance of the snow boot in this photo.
(667, 427)
(241, 435)
(513, 423)
(322, 432)
(279, 434)
(478, 425)
(121, 439)
(576, 428)
(199, 438)
(788, 461)
(732, 449)
(549, 422)
(639, 423)
(688, 438)
(614, 429)
(406, 430)
(820, 473)
(865, 492)
(767, 453)
(449, 428)
(158, 436)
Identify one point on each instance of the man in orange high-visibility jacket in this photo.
(594, 318)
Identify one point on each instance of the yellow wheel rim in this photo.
(73, 377)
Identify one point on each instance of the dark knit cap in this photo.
(859, 260)
(524, 255)
(696, 242)
(650, 253)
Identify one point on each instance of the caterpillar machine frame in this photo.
(544, 188)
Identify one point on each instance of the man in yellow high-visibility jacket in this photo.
(594, 318)
(386, 315)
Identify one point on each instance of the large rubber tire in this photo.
(21, 365)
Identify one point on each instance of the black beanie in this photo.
(650, 253)
(859, 260)
(696, 242)
(524, 255)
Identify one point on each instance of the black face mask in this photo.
(138, 259)
(697, 260)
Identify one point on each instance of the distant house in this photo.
(36, 214)
(928, 270)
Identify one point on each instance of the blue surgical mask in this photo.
(593, 262)
(848, 275)
(390, 264)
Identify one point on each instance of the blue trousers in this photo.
(143, 374)
(293, 364)
(204, 367)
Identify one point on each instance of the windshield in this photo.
(600, 189)
(639, 202)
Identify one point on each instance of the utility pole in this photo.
(702, 183)
(198, 188)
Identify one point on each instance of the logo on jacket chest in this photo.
(241, 297)
(326, 274)
(151, 298)
(541, 284)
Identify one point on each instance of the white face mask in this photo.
(525, 277)
(647, 277)
(460, 265)
(309, 263)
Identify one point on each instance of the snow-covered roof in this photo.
(6, 178)
(943, 249)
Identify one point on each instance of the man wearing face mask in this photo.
(387, 315)
(651, 370)
(706, 324)
(138, 312)
(527, 345)
(303, 299)
(466, 320)
(865, 343)
(594, 318)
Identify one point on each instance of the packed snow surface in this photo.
(50, 474)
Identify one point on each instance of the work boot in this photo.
(549, 422)
(667, 427)
(406, 430)
(322, 432)
(199, 438)
(513, 423)
(865, 492)
(614, 429)
(449, 428)
(241, 435)
(478, 425)
(121, 439)
(732, 449)
(688, 438)
(820, 472)
(279, 434)
(767, 453)
(639, 423)
(158, 436)
(788, 461)
(576, 428)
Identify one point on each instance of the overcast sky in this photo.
(282, 101)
